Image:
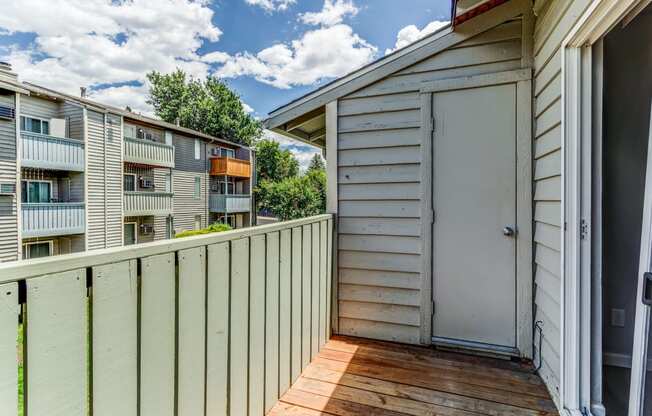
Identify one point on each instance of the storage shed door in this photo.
(474, 232)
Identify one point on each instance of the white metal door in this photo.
(474, 231)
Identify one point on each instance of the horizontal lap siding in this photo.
(8, 209)
(39, 108)
(74, 116)
(551, 27)
(186, 206)
(379, 189)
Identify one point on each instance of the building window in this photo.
(221, 188)
(229, 219)
(37, 249)
(224, 152)
(168, 183)
(129, 233)
(36, 191)
(35, 125)
(130, 131)
(197, 193)
(197, 149)
(197, 222)
(168, 137)
(129, 182)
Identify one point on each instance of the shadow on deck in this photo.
(352, 376)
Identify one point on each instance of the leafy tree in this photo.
(207, 106)
(216, 227)
(316, 163)
(274, 164)
(291, 198)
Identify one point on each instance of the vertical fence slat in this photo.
(57, 331)
(239, 327)
(8, 354)
(306, 283)
(157, 329)
(257, 327)
(285, 310)
(330, 278)
(217, 324)
(296, 303)
(115, 339)
(192, 326)
(314, 303)
(323, 286)
(271, 321)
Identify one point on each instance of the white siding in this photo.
(38, 107)
(379, 193)
(552, 25)
(8, 209)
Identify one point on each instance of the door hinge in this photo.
(432, 216)
(584, 229)
(432, 124)
(432, 308)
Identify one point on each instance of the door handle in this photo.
(647, 289)
(508, 231)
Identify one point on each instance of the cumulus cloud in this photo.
(271, 5)
(331, 13)
(411, 33)
(327, 52)
(94, 42)
(301, 151)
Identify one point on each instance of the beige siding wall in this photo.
(8, 204)
(74, 116)
(553, 24)
(379, 192)
(38, 107)
(186, 206)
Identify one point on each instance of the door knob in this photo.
(508, 231)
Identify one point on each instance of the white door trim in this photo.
(596, 21)
(524, 275)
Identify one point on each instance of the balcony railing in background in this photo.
(149, 329)
(147, 203)
(50, 219)
(147, 152)
(231, 167)
(48, 152)
(229, 203)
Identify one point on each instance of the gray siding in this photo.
(39, 107)
(74, 116)
(104, 156)
(185, 205)
(8, 204)
(158, 176)
(379, 187)
(143, 238)
(184, 154)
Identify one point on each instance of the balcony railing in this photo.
(231, 167)
(147, 152)
(50, 219)
(147, 203)
(48, 152)
(229, 203)
(237, 314)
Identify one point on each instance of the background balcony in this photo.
(231, 167)
(50, 219)
(147, 203)
(48, 152)
(229, 203)
(146, 152)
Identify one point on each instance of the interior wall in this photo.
(627, 93)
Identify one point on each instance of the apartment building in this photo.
(77, 175)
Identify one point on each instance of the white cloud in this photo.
(331, 13)
(301, 151)
(272, 5)
(133, 96)
(411, 33)
(327, 52)
(247, 108)
(94, 42)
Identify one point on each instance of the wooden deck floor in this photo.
(352, 376)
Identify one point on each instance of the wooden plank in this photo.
(332, 406)
(272, 351)
(379, 330)
(378, 294)
(257, 326)
(282, 409)
(9, 311)
(378, 156)
(378, 138)
(285, 313)
(380, 104)
(57, 327)
(548, 142)
(379, 121)
(379, 174)
(397, 262)
(380, 226)
(548, 212)
(314, 301)
(192, 326)
(548, 166)
(380, 278)
(323, 284)
(548, 189)
(157, 335)
(297, 267)
(331, 279)
(115, 339)
(379, 191)
(378, 243)
(381, 312)
(306, 286)
(217, 328)
(239, 326)
(548, 235)
(380, 209)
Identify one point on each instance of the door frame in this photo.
(135, 224)
(522, 79)
(578, 127)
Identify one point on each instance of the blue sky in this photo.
(268, 51)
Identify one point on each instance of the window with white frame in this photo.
(197, 193)
(197, 222)
(221, 187)
(36, 191)
(34, 125)
(129, 182)
(197, 149)
(37, 249)
(224, 152)
(168, 183)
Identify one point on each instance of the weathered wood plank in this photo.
(306, 282)
(379, 330)
(377, 243)
(314, 302)
(379, 191)
(381, 312)
(9, 310)
(257, 326)
(297, 293)
(323, 285)
(379, 121)
(192, 326)
(379, 174)
(285, 313)
(380, 261)
(286, 409)
(380, 209)
(332, 406)
(57, 326)
(366, 105)
(239, 326)
(381, 278)
(157, 335)
(330, 279)
(272, 351)
(115, 339)
(377, 294)
(379, 156)
(217, 328)
(381, 226)
(378, 138)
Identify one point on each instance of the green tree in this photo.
(316, 163)
(292, 198)
(274, 164)
(208, 106)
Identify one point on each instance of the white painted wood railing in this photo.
(211, 325)
(54, 218)
(148, 152)
(48, 152)
(147, 203)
